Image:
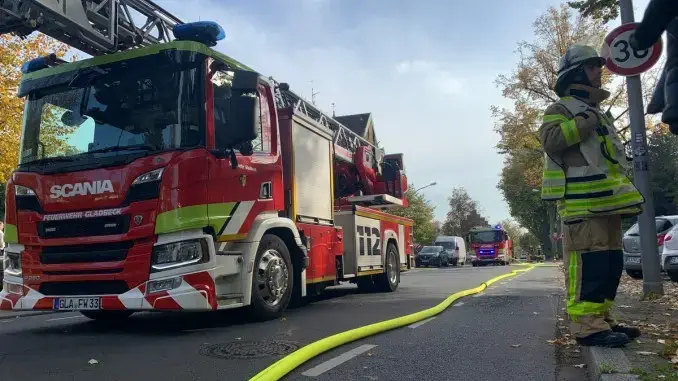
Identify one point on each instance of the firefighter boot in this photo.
(604, 339)
(630, 331)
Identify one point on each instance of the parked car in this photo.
(631, 242)
(669, 258)
(455, 247)
(432, 256)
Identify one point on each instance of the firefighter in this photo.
(584, 171)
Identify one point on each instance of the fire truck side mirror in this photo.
(245, 119)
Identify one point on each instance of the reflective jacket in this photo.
(585, 163)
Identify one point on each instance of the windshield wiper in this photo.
(55, 159)
(136, 147)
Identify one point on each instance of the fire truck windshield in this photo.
(125, 108)
(488, 236)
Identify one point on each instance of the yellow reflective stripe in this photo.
(570, 132)
(572, 276)
(609, 201)
(551, 191)
(554, 118)
(551, 174)
(596, 185)
(11, 234)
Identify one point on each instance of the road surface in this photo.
(471, 340)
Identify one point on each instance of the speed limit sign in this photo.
(621, 58)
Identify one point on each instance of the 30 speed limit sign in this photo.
(621, 58)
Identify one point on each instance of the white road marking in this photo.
(458, 304)
(335, 361)
(420, 323)
(68, 317)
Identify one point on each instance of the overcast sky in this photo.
(425, 72)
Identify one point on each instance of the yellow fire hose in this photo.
(290, 362)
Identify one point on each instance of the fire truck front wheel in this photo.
(272, 279)
(389, 280)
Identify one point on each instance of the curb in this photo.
(14, 315)
(607, 364)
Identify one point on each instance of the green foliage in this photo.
(463, 215)
(663, 158)
(528, 243)
(604, 10)
(421, 211)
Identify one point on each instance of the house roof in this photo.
(356, 122)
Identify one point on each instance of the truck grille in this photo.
(103, 252)
(84, 227)
(98, 287)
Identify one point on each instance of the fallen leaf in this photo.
(515, 345)
(580, 366)
(92, 362)
(661, 341)
(550, 341)
(624, 306)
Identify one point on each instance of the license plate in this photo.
(88, 303)
(633, 260)
(673, 260)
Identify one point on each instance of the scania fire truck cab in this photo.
(172, 177)
(490, 245)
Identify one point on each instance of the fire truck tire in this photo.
(107, 315)
(390, 279)
(272, 279)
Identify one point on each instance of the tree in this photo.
(605, 10)
(421, 211)
(13, 53)
(663, 157)
(528, 243)
(513, 229)
(463, 215)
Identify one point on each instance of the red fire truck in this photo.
(490, 245)
(161, 174)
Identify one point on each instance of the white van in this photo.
(455, 247)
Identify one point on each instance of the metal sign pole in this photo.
(652, 282)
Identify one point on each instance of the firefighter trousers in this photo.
(594, 262)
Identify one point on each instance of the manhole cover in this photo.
(249, 349)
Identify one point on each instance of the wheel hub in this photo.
(273, 276)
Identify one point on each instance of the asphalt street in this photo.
(471, 340)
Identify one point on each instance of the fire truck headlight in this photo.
(148, 177)
(21, 190)
(178, 254)
(12, 263)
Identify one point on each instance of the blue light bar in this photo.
(206, 32)
(35, 65)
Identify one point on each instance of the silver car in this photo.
(632, 256)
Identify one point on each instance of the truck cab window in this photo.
(221, 83)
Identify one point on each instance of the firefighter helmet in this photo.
(575, 57)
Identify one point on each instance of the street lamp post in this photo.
(432, 183)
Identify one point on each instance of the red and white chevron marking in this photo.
(196, 292)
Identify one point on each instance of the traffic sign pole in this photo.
(652, 282)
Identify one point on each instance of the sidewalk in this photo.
(654, 355)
